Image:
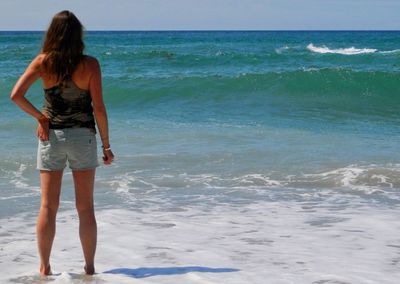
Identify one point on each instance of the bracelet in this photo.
(106, 149)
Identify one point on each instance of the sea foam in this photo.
(344, 51)
(284, 242)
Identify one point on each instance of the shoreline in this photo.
(280, 241)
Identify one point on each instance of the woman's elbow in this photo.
(17, 94)
(14, 96)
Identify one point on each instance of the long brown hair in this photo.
(63, 46)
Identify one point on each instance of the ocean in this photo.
(241, 157)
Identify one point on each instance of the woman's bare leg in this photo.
(50, 183)
(84, 185)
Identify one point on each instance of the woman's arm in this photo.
(31, 74)
(99, 109)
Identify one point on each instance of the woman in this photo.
(66, 129)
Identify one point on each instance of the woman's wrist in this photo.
(42, 119)
(106, 147)
(105, 142)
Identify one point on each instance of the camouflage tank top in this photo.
(67, 106)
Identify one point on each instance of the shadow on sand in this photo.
(143, 272)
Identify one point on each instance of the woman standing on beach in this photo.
(66, 130)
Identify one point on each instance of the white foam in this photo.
(282, 49)
(367, 179)
(345, 51)
(18, 179)
(284, 242)
(347, 175)
(125, 182)
(16, 196)
(259, 180)
(220, 53)
(383, 180)
(390, 51)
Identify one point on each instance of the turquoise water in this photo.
(245, 109)
(236, 136)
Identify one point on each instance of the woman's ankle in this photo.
(45, 270)
(89, 269)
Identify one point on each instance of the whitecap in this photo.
(382, 179)
(345, 51)
(390, 51)
(18, 179)
(220, 53)
(369, 179)
(259, 180)
(281, 49)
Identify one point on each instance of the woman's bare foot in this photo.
(45, 271)
(89, 269)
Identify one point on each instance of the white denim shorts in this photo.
(77, 146)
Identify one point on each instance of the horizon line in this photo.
(227, 30)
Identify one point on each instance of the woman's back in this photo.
(81, 76)
(68, 104)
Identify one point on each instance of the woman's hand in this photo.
(108, 156)
(42, 131)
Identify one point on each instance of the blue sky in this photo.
(206, 14)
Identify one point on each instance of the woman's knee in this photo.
(85, 208)
(86, 216)
(49, 208)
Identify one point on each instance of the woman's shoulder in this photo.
(38, 61)
(88, 67)
(91, 61)
(40, 57)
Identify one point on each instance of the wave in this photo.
(241, 57)
(390, 51)
(345, 51)
(368, 179)
(380, 182)
(333, 83)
